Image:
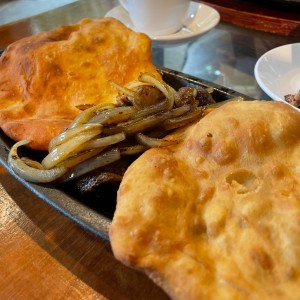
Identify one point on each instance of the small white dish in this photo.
(201, 19)
(278, 71)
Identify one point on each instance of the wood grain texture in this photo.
(44, 255)
(258, 17)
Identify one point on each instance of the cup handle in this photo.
(123, 3)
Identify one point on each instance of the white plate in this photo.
(202, 18)
(278, 71)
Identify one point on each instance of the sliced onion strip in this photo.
(32, 163)
(177, 100)
(80, 148)
(61, 152)
(183, 120)
(151, 142)
(161, 85)
(134, 126)
(104, 141)
(135, 83)
(210, 89)
(68, 134)
(132, 150)
(30, 173)
(79, 157)
(87, 114)
(114, 115)
(123, 89)
(93, 163)
(152, 109)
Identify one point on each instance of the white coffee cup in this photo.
(156, 17)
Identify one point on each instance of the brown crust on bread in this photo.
(218, 216)
(46, 77)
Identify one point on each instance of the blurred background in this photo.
(11, 10)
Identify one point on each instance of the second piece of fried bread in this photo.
(218, 216)
(46, 79)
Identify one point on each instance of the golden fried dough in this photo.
(218, 216)
(46, 78)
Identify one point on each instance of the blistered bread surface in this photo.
(47, 78)
(218, 217)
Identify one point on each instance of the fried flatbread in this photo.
(47, 78)
(218, 216)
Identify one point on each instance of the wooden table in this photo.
(269, 16)
(44, 254)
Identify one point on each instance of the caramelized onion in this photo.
(61, 152)
(137, 125)
(132, 150)
(150, 110)
(30, 173)
(79, 157)
(141, 124)
(135, 83)
(87, 114)
(93, 163)
(114, 115)
(151, 142)
(123, 89)
(101, 134)
(183, 120)
(32, 163)
(68, 134)
(104, 141)
(161, 85)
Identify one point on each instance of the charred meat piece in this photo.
(88, 183)
(110, 174)
(98, 189)
(146, 95)
(195, 95)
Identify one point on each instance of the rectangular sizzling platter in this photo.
(95, 217)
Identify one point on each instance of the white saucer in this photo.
(196, 24)
(278, 71)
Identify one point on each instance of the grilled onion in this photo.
(112, 116)
(61, 152)
(103, 133)
(30, 173)
(69, 134)
(151, 142)
(87, 114)
(161, 85)
(91, 164)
